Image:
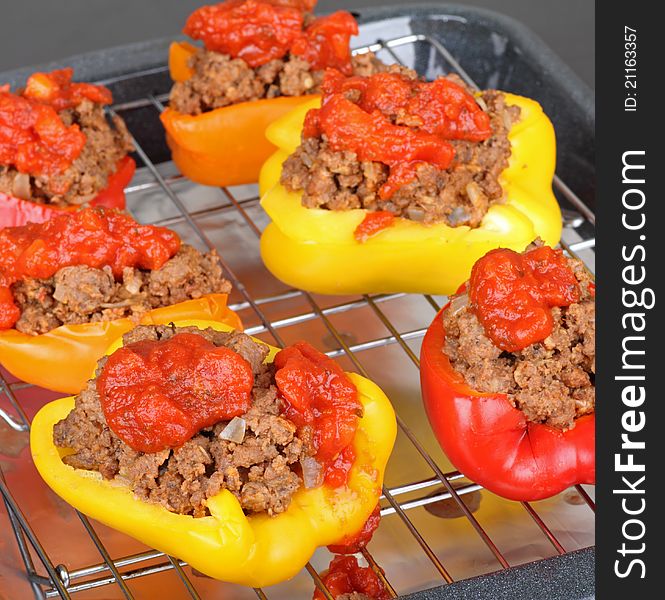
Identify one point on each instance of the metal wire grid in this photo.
(65, 582)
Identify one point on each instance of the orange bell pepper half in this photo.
(227, 145)
(64, 358)
(179, 55)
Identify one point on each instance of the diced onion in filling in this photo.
(458, 303)
(235, 430)
(312, 472)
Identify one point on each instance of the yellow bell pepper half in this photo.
(314, 249)
(255, 550)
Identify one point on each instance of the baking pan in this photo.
(500, 549)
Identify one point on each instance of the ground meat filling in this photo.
(81, 294)
(106, 143)
(259, 472)
(459, 195)
(220, 80)
(551, 381)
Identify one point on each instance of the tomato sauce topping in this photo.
(157, 394)
(34, 139)
(57, 90)
(325, 42)
(345, 576)
(356, 543)
(373, 223)
(368, 116)
(512, 294)
(316, 392)
(92, 237)
(259, 31)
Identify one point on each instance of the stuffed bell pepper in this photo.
(507, 373)
(260, 59)
(72, 285)
(58, 151)
(213, 447)
(400, 185)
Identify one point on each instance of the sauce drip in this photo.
(346, 576)
(373, 223)
(355, 544)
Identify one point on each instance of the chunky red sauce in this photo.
(356, 543)
(345, 576)
(325, 42)
(512, 294)
(364, 115)
(34, 139)
(158, 394)
(373, 223)
(57, 90)
(259, 31)
(92, 237)
(316, 392)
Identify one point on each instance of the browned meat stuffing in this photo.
(82, 294)
(459, 195)
(106, 143)
(551, 381)
(220, 80)
(259, 471)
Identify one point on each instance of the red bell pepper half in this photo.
(16, 211)
(491, 442)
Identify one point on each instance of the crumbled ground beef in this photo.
(220, 80)
(259, 471)
(459, 195)
(82, 294)
(106, 143)
(551, 381)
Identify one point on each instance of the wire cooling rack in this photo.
(435, 529)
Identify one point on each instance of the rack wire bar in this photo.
(183, 577)
(582, 492)
(19, 517)
(318, 582)
(120, 563)
(379, 571)
(35, 580)
(24, 423)
(63, 582)
(104, 581)
(106, 556)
